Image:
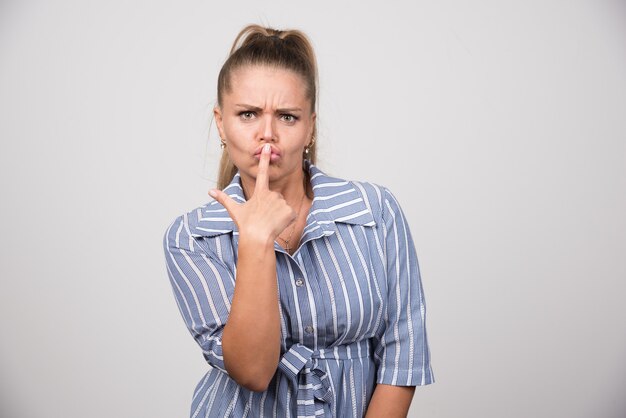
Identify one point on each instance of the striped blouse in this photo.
(352, 308)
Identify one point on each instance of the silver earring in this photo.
(222, 144)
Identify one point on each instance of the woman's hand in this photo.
(266, 214)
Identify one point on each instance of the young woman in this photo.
(303, 290)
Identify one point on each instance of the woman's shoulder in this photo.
(373, 194)
(194, 223)
(377, 197)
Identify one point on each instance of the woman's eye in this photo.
(246, 114)
(289, 118)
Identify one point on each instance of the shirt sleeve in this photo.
(201, 286)
(401, 347)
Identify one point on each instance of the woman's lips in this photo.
(274, 156)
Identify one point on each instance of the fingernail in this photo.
(212, 193)
(267, 148)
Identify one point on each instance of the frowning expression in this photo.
(266, 105)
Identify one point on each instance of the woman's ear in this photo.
(312, 128)
(217, 113)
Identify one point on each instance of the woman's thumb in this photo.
(223, 198)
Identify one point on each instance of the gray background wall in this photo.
(499, 125)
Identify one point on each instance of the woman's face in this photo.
(266, 105)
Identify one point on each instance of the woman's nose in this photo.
(267, 129)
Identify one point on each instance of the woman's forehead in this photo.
(256, 82)
(263, 69)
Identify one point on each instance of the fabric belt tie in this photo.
(301, 365)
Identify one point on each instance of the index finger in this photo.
(262, 178)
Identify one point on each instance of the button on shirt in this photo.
(352, 309)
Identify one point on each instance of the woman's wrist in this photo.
(260, 242)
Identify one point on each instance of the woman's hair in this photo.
(286, 49)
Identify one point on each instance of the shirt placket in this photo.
(313, 395)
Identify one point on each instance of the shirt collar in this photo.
(334, 201)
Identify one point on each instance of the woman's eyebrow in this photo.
(247, 106)
(289, 109)
(258, 109)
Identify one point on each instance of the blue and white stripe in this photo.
(351, 303)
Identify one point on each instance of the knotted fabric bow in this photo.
(303, 367)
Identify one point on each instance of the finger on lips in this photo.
(262, 179)
(264, 162)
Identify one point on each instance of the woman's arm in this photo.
(390, 401)
(251, 337)
(401, 349)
